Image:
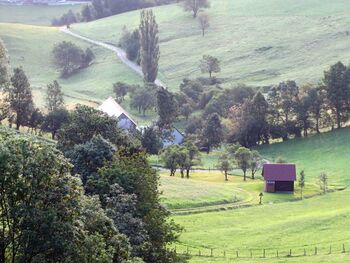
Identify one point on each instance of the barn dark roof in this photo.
(279, 172)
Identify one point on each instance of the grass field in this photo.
(328, 152)
(34, 15)
(259, 42)
(209, 189)
(318, 221)
(30, 47)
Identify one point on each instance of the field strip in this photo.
(220, 207)
(120, 52)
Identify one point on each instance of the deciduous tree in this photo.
(301, 182)
(203, 20)
(210, 64)
(54, 96)
(195, 5)
(213, 132)
(243, 157)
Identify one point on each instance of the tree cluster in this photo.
(182, 157)
(69, 58)
(243, 158)
(103, 8)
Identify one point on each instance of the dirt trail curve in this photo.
(120, 53)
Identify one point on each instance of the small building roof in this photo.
(113, 109)
(279, 172)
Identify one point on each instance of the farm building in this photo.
(279, 177)
(172, 137)
(113, 109)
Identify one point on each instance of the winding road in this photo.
(120, 52)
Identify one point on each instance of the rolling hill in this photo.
(259, 42)
(30, 47)
(34, 15)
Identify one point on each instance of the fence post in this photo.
(290, 252)
(343, 249)
(315, 250)
(304, 252)
(211, 252)
(330, 249)
(277, 253)
(264, 253)
(199, 252)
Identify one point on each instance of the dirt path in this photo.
(120, 53)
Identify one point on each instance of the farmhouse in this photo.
(113, 109)
(172, 137)
(279, 177)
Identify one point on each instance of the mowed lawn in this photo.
(258, 42)
(320, 221)
(31, 47)
(208, 190)
(34, 15)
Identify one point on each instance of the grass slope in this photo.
(319, 221)
(328, 152)
(30, 47)
(207, 189)
(34, 15)
(258, 41)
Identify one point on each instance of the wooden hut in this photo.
(279, 177)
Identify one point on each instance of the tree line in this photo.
(103, 8)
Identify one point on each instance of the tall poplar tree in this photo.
(20, 97)
(149, 45)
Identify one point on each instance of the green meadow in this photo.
(283, 224)
(30, 47)
(259, 42)
(34, 15)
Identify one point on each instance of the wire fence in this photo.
(231, 254)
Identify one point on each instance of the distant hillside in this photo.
(328, 152)
(259, 42)
(30, 47)
(34, 14)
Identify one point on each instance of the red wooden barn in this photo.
(279, 177)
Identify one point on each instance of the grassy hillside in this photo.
(30, 47)
(33, 15)
(328, 152)
(319, 221)
(209, 191)
(258, 41)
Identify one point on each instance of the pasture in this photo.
(258, 42)
(282, 225)
(30, 47)
(34, 15)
